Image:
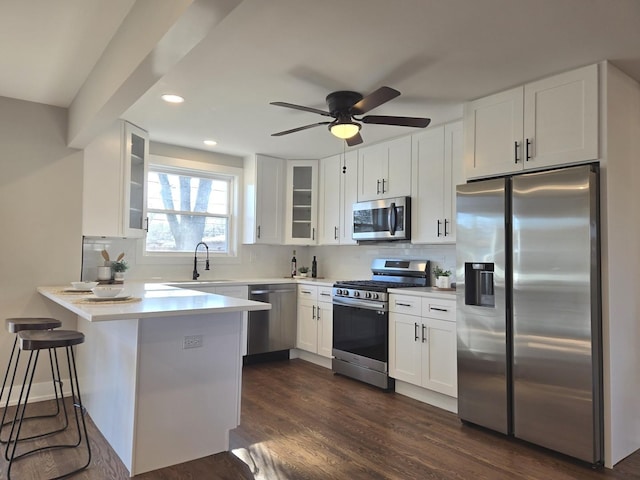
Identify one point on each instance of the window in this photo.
(187, 206)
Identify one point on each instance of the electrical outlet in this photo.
(192, 341)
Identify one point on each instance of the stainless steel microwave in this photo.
(386, 219)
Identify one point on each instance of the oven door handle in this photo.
(352, 302)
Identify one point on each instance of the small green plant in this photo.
(303, 269)
(438, 272)
(120, 265)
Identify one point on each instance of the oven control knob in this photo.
(367, 295)
(356, 294)
(376, 296)
(338, 291)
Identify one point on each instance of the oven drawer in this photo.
(406, 304)
(440, 309)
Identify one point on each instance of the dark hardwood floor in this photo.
(299, 421)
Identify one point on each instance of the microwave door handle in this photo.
(393, 219)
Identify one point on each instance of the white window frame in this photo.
(195, 168)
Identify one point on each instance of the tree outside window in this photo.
(185, 208)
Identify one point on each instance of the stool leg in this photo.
(75, 394)
(4, 383)
(57, 391)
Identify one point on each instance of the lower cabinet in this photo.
(422, 342)
(315, 320)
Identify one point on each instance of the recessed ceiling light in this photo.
(211, 143)
(171, 98)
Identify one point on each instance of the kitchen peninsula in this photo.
(157, 401)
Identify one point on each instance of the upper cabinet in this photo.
(302, 202)
(338, 193)
(549, 122)
(384, 170)
(114, 189)
(437, 169)
(264, 186)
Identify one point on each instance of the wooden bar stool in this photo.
(34, 341)
(19, 324)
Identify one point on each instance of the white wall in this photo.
(40, 212)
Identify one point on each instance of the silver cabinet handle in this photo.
(335, 233)
(258, 231)
(318, 313)
(415, 332)
(424, 338)
(438, 309)
(313, 315)
(446, 222)
(529, 145)
(515, 153)
(146, 224)
(383, 190)
(313, 233)
(324, 294)
(378, 188)
(307, 292)
(438, 231)
(400, 304)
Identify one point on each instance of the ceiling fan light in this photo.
(344, 130)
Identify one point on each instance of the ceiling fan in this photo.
(345, 105)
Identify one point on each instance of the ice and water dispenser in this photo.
(479, 288)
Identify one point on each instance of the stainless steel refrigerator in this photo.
(528, 309)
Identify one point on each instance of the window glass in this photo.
(186, 207)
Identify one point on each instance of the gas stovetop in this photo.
(376, 285)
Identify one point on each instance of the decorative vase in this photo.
(104, 273)
(443, 282)
(118, 276)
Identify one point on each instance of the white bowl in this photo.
(107, 290)
(83, 285)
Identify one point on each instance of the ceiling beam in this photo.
(153, 38)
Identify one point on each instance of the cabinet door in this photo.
(307, 335)
(372, 164)
(439, 356)
(561, 118)
(324, 315)
(404, 348)
(135, 160)
(264, 200)
(349, 189)
(398, 169)
(329, 200)
(493, 129)
(427, 207)
(302, 208)
(454, 176)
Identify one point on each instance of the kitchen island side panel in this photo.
(188, 399)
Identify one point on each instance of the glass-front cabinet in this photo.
(302, 208)
(136, 152)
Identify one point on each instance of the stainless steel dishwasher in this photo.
(271, 333)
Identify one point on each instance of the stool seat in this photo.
(17, 324)
(44, 339)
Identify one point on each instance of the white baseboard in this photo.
(310, 357)
(40, 392)
(427, 396)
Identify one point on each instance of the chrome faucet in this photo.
(195, 260)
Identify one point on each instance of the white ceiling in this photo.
(438, 53)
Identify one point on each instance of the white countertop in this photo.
(250, 281)
(425, 292)
(157, 300)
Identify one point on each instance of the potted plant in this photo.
(442, 277)
(119, 267)
(303, 271)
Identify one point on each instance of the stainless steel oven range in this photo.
(361, 319)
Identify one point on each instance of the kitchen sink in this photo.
(198, 283)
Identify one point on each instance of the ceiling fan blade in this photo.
(355, 140)
(300, 107)
(373, 100)
(399, 121)
(293, 130)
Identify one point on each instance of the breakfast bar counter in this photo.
(160, 370)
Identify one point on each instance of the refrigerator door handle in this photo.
(393, 219)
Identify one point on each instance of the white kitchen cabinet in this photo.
(422, 342)
(338, 193)
(437, 169)
(301, 222)
(315, 320)
(114, 183)
(384, 170)
(264, 187)
(553, 121)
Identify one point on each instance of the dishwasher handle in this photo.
(262, 292)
